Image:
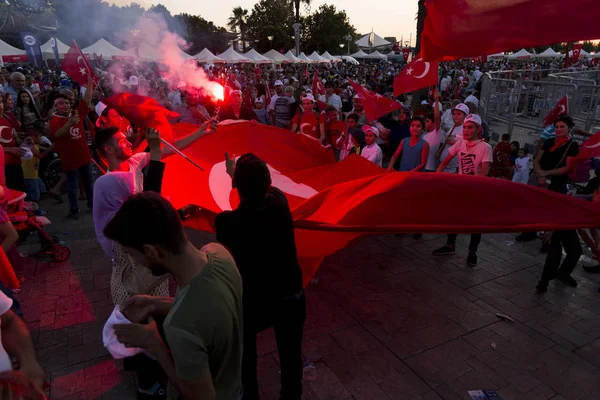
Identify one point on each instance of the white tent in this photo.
(206, 57)
(305, 59)
(48, 52)
(105, 49)
(317, 58)
(520, 55)
(582, 53)
(257, 58)
(329, 57)
(597, 55)
(232, 57)
(12, 54)
(496, 56)
(277, 57)
(376, 56)
(378, 41)
(145, 52)
(290, 56)
(359, 54)
(349, 59)
(548, 53)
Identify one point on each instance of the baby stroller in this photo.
(25, 222)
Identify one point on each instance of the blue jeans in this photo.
(34, 188)
(73, 185)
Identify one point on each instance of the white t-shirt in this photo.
(471, 155)
(477, 74)
(137, 163)
(373, 153)
(434, 139)
(5, 305)
(522, 170)
(453, 164)
(333, 100)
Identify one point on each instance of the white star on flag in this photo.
(82, 71)
(409, 71)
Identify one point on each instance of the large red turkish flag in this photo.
(375, 105)
(418, 74)
(457, 29)
(590, 148)
(77, 66)
(335, 203)
(576, 52)
(562, 107)
(317, 86)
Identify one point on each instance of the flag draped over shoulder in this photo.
(455, 29)
(335, 203)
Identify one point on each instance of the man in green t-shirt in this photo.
(203, 324)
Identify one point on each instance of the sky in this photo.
(389, 18)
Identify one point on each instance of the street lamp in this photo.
(341, 48)
(348, 39)
(270, 37)
(297, 26)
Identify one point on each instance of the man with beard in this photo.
(203, 324)
(273, 294)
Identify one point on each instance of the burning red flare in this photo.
(217, 91)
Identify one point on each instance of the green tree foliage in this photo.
(271, 18)
(588, 46)
(237, 21)
(325, 30)
(201, 33)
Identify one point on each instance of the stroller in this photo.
(25, 222)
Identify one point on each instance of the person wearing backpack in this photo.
(554, 162)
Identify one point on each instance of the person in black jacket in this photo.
(260, 236)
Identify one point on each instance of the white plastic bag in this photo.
(116, 349)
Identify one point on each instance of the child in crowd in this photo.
(33, 182)
(344, 142)
(260, 110)
(522, 168)
(414, 149)
(371, 151)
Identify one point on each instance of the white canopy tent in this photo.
(207, 57)
(521, 55)
(290, 56)
(144, 52)
(378, 41)
(232, 57)
(582, 53)
(376, 56)
(11, 54)
(496, 56)
(329, 57)
(256, 58)
(105, 49)
(549, 53)
(305, 59)
(597, 55)
(317, 58)
(48, 52)
(277, 57)
(349, 59)
(358, 54)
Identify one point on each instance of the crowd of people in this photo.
(203, 340)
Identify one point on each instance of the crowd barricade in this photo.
(519, 106)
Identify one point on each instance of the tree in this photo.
(271, 18)
(588, 46)
(297, 7)
(238, 21)
(325, 29)
(201, 34)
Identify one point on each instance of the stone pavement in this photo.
(385, 321)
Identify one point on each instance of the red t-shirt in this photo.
(334, 130)
(309, 124)
(72, 148)
(8, 140)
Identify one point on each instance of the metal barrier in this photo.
(518, 106)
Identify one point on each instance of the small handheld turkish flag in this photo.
(562, 107)
(590, 148)
(576, 52)
(317, 85)
(77, 67)
(375, 105)
(418, 74)
(405, 53)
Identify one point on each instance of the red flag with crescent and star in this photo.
(77, 66)
(375, 105)
(405, 54)
(418, 74)
(334, 203)
(576, 52)
(455, 29)
(317, 86)
(590, 148)
(562, 107)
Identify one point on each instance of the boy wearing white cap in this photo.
(474, 158)
(372, 151)
(459, 114)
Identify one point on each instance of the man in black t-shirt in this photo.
(260, 236)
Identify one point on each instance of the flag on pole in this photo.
(54, 45)
(418, 74)
(590, 148)
(455, 29)
(375, 105)
(576, 52)
(562, 107)
(33, 49)
(317, 86)
(77, 66)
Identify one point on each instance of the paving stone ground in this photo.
(385, 320)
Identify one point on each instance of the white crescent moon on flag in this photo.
(426, 69)
(219, 183)
(80, 58)
(587, 147)
(562, 108)
(2, 140)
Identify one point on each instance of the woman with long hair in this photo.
(553, 163)
(26, 112)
